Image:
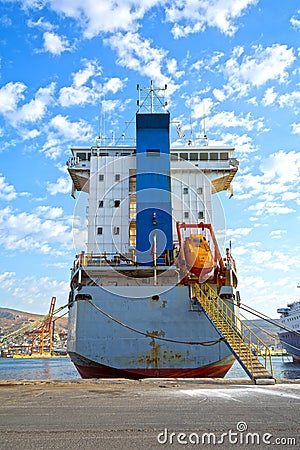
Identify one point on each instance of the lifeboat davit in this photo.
(198, 256)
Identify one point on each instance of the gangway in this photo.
(251, 352)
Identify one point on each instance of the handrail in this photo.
(109, 259)
(232, 327)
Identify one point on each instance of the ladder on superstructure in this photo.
(251, 352)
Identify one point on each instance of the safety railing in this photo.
(111, 259)
(248, 347)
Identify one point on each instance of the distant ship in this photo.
(150, 241)
(290, 317)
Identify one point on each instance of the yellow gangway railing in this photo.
(251, 351)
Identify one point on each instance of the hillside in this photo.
(258, 325)
(12, 319)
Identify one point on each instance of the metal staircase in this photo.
(251, 352)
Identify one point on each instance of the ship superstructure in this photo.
(290, 338)
(151, 255)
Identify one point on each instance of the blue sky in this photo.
(66, 63)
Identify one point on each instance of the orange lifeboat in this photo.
(198, 256)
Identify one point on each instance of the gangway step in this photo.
(246, 346)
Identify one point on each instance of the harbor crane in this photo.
(42, 336)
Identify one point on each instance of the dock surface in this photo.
(148, 414)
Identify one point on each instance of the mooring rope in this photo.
(147, 334)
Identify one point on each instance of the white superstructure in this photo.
(108, 175)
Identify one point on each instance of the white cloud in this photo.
(39, 231)
(5, 21)
(33, 293)
(290, 196)
(197, 15)
(277, 234)
(40, 23)
(7, 280)
(55, 44)
(270, 208)
(49, 212)
(71, 130)
(7, 191)
(238, 232)
(282, 167)
(81, 94)
(269, 97)
(28, 134)
(137, 54)
(295, 21)
(200, 107)
(252, 101)
(228, 119)
(70, 96)
(36, 109)
(62, 132)
(276, 191)
(188, 16)
(90, 70)
(290, 99)
(10, 95)
(295, 128)
(61, 186)
(219, 94)
(113, 85)
(104, 16)
(270, 63)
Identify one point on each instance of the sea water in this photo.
(63, 369)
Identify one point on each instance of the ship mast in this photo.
(151, 98)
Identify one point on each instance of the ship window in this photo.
(203, 156)
(194, 156)
(99, 230)
(200, 190)
(132, 183)
(81, 156)
(103, 154)
(213, 156)
(117, 177)
(116, 230)
(184, 155)
(185, 190)
(200, 215)
(101, 203)
(117, 203)
(153, 152)
(101, 177)
(186, 215)
(174, 156)
(89, 156)
(224, 156)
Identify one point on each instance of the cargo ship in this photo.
(153, 227)
(290, 338)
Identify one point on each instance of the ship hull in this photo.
(291, 343)
(109, 334)
(89, 369)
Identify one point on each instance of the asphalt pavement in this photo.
(149, 414)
